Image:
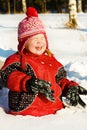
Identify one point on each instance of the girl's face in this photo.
(36, 44)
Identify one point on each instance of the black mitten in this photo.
(73, 95)
(82, 90)
(35, 86)
(31, 86)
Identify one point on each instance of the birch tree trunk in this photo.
(79, 6)
(43, 6)
(14, 6)
(9, 10)
(24, 5)
(72, 14)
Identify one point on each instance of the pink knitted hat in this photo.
(29, 26)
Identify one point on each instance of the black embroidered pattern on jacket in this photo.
(19, 101)
(28, 70)
(61, 74)
(15, 66)
(8, 70)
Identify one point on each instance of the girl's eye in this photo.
(42, 38)
(35, 40)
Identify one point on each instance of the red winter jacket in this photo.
(43, 67)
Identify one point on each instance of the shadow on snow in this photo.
(6, 53)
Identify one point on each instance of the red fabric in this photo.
(31, 12)
(30, 26)
(45, 68)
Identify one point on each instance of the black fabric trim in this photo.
(19, 101)
(8, 70)
(28, 70)
(15, 66)
(61, 74)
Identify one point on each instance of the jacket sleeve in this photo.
(17, 81)
(13, 78)
(64, 83)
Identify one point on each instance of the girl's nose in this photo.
(38, 42)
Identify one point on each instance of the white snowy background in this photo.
(70, 48)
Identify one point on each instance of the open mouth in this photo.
(38, 48)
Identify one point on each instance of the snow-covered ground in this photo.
(70, 48)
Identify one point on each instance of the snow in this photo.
(70, 48)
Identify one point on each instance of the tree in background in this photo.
(44, 9)
(3, 6)
(53, 6)
(24, 5)
(9, 11)
(79, 6)
(72, 14)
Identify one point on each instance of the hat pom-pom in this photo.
(31, 12)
